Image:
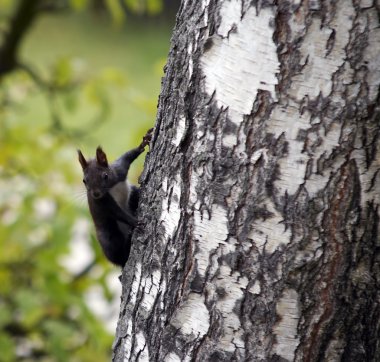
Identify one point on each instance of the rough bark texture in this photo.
(259, 218)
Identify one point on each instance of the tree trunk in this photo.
(259, 217)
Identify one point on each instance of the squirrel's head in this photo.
(98, 177)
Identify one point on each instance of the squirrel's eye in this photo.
(105, 176)
(84, 181)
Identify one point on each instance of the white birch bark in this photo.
(259, 218)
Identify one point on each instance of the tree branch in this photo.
(19, 24)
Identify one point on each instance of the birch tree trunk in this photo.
(259, 218)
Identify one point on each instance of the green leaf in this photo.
(29, 307)
(5, 283)
(5, 4)
(154, 6)
(5, 315)
(134, 5)
(78, 5)
(116, 11)
(113, 76)
(63, 72)
(7, 348)
(71, 101)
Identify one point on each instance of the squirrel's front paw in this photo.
(146, 139)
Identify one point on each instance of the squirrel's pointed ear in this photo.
(101, 157)
(82, 160)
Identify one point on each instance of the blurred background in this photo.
(73, 74)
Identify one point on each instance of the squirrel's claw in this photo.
(147, 138)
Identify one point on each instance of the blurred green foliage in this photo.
(81, 83)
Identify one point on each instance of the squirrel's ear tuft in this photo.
(82, 160)
(101, 157)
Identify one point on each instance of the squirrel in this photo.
(112, 200)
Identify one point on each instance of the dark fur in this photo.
(114, 239)
(114, 226)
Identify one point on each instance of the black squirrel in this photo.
(112, 200)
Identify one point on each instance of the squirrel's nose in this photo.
(96, 194)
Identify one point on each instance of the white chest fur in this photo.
(120, 193)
